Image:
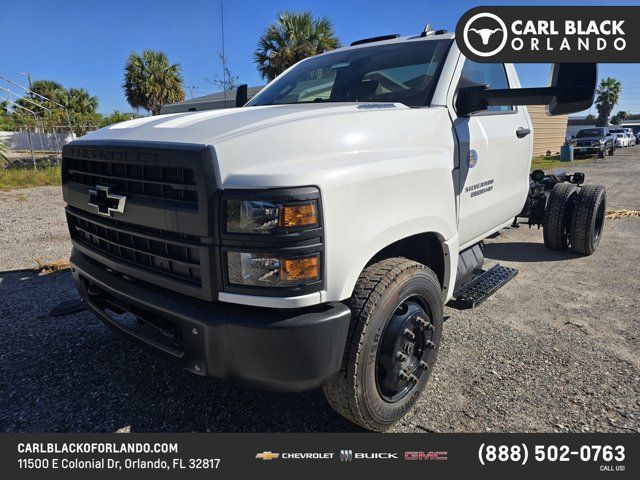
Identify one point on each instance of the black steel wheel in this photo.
(405, 351)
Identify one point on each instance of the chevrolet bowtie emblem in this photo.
(105, 202)
(267, 455)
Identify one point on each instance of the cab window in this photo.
(492, 74)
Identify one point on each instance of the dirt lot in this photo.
(555, 350)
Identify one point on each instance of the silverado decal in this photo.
(480, 188)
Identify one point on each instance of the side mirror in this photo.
(572, 89)
(241, 95)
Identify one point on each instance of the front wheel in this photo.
(612, 150)
(392, 346)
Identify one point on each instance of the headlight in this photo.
(272, 240)
(263, 217)
(268, 270)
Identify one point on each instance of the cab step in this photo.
(482, 287)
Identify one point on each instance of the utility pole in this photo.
(224, 57)
(192, 88)
(28, 75)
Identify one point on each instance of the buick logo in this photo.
(104, 202)
(485, 34)
(346, 455)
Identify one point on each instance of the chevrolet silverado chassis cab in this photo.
(311, 237)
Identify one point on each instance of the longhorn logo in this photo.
(483, 32)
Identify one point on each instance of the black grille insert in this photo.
(168, 182)
(174, 256)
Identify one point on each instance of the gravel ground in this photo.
(554, 350)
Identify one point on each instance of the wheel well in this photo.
(425, 248)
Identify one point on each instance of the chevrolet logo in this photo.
(106, 202)
(267, 455)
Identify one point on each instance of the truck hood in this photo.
(286, 145)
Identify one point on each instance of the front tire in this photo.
(611, 151)
(393, 343)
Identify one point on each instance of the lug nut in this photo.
(404, 375)
(413, 379)
(409, 334)
(401, 356)
(430, 345)
(424, 365)
(421, 322)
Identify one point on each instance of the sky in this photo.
(86, 43)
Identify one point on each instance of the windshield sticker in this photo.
(473, 158)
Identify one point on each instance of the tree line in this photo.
(151, 80)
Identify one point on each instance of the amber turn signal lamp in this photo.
(300, 268)
(299, 215)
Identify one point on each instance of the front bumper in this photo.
(587, 150)
(284, 350)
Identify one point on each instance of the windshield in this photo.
(590, 132)
(404, 72)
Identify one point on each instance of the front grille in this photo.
(167, 182)
(172, 256)
(584, 144)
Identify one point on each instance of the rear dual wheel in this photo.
(587, 219)
(392, 346)
(574, 217)
(557, 216)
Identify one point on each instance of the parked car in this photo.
(631, 136)
(594, 141)
(312, 236)
(622, 139)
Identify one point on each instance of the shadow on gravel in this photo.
(73, 373)
(525, 252)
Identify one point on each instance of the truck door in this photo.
(494, 154)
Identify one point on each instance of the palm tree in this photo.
(150, 81)
(79, 101)
(294, 37)
(607, 97)
(49, 89)
(4, 153)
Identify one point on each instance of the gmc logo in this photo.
(442, 456)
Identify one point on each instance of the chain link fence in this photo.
(32, 147)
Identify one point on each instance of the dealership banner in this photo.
(576, 34)
(229, 455)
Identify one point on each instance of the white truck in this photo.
(312, 237)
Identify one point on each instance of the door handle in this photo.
(523, 132)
